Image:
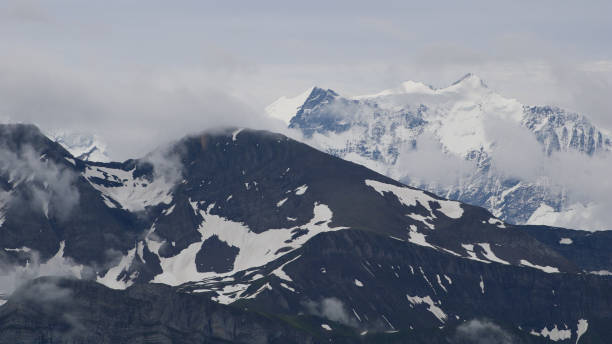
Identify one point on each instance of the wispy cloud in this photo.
(482, 331)
(43, 185)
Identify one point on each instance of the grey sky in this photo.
(141, 72)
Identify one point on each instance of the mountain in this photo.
(471, 135)
(249, 236)
(82, 145)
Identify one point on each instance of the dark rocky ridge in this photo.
(51, 310)
(258, 170)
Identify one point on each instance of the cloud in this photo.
(515, 151)
(581, 179)
(46, 185)
(482, 332)
(13, 276)
(23, 11)
(426, 162)
(134, 109)
(49, 297)
(166, 164)
(205, 67)
(330, 308)
(585, 87)
(45, 291)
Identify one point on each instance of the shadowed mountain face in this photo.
(307, 246)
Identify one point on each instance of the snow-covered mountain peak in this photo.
(84, 146)
(470, 80)
(469, 84)
(284, 108)
(406, 87)
(466, 120)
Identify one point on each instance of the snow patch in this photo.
(287, 287)
(582, 327)
(433, 309)
(553, 334)
(469, 248)
(255, 249)
(169, 210)
(280, 273)
(262, 288)
(566, 241)
(412, 197)
(547, 269)
(110, 277)
(235, 134)
(601, 273)
(281, 202)
(70, 160)
(285, 108)
(132, 194)
(301, 190)
(440, 283)
(418, 238)
(229, 293)
(490, 255)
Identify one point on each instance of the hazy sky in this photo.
(140, 72)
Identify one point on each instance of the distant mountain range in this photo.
(462, 136)
(246, 236)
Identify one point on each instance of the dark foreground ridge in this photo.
(250, 237)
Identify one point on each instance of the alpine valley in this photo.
(484, 149)
(244, 236)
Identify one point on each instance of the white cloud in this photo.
(331, 308)
(134, 111)
(483, 332)
(427, 162)
(49, 187)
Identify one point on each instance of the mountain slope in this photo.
(468, 130)
(256, 220)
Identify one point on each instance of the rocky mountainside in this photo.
(249, 236)
(469, 133)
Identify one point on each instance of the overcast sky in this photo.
(141, 72)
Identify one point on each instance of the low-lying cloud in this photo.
(580, 178)
(13, 275)
(483, 331)
(330, 308)
(54, 300)
(45, 185)
(133, 109)
(426, 162)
